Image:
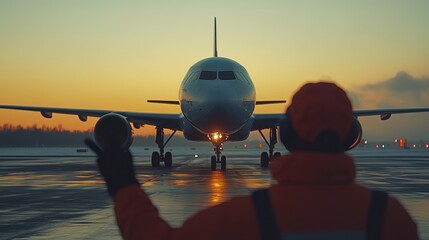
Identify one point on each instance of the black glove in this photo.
(116, 167)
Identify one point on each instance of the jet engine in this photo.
(355, 135)
(113, 131)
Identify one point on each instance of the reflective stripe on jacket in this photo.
(315, 193)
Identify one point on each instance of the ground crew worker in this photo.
(315, 197)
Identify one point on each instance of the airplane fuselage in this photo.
(217, 96)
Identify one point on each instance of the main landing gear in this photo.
(217, 140)
(267, 157)
(158, 157)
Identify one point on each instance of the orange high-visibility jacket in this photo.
(315, 193)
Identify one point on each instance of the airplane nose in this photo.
(219, 106)
(219, 117)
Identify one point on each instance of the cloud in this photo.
(403, 90)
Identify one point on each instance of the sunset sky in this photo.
(117, 54)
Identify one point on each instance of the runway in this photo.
(58, 193)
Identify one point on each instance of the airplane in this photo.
(217, 99)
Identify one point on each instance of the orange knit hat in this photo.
(320, 106)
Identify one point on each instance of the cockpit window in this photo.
(226, 75)
(192, 76)
(243, 77)
(208, 75)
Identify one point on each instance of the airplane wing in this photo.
(164, 102)
(386, 113)
(269, 102)
(264, 121)
(170, 121)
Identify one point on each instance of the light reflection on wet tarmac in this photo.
(64, 197)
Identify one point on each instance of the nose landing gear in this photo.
(218, 140)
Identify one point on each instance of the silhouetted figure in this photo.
(316, 196)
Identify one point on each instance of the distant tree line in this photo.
(35, 136)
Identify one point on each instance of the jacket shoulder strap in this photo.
(265, 215)
(375, 217)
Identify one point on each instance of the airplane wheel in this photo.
(277, 154)
(223, 163)
(168, 160)
(155, 159)
(213, 163)
(264, 159)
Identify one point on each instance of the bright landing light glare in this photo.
(215, 136)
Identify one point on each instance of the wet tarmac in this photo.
(58, 194)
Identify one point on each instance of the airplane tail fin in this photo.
(215, 38)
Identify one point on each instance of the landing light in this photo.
(217, 136)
